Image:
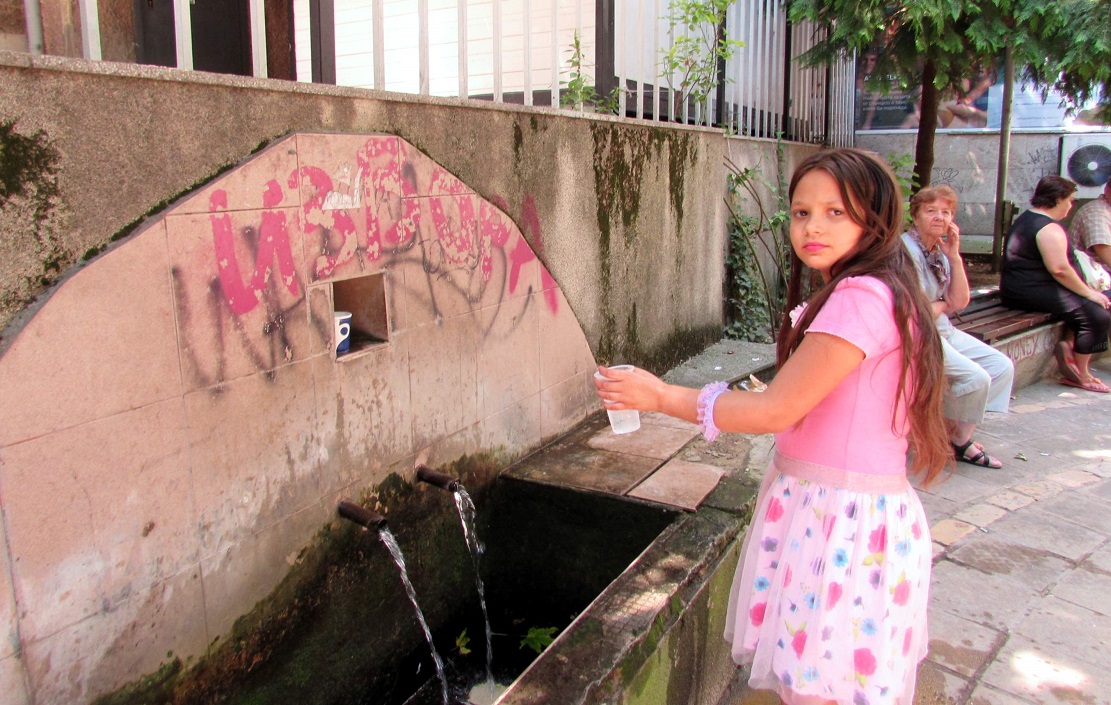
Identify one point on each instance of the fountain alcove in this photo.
(186, 424)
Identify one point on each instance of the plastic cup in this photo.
(625, 421)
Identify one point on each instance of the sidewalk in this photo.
(1020, 604)
(1021, 591)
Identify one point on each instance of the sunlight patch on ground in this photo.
(1094, 454)
(1037, 672)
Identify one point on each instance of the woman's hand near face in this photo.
(951, 243)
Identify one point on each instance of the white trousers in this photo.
(980, 377)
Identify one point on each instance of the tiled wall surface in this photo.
(181, 424)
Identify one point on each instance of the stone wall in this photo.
(969, 163)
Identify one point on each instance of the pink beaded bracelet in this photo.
(706, 399)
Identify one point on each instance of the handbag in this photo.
(1092, 272)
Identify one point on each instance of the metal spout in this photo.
(360, 515)
(439, 479)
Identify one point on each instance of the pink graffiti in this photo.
(378, 159)
(343, 226)
(496, 223)
(272, 242)
(456, 238)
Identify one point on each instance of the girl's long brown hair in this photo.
(874, 201)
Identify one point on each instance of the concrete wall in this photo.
(969, 163)
(602, 201)
(175, 426)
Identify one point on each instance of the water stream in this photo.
(466, 509)
(391, 543)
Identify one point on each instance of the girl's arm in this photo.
(819, 364)
(1053, 245)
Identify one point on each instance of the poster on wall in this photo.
(976, 104)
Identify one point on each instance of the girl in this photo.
(829, 600)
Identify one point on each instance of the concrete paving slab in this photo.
(996, 601)
(1085, 587)
(1039, 529)
(981, 514)
(961, 645)
(994, 555)
(960, 489)
(1089, 512)
(937, 685)
(987, 695)
(1101, 560)
(679, 483)
(659, 442)
(1025, 671)
(1011, 500)
(1103, 490)
(654, 418)
(1062, 629)
(728, 360)
(949, 531)
(937, 508)
(1039, 490)
(586, 468)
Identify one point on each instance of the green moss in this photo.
(295, 644)
(29, 166)
(155, 688)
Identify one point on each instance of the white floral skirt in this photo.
(829, 599)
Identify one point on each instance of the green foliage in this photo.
(1066, 44)
(757, 291)
(698, 47)
(461, 643)
(578, 91)
(539, 638)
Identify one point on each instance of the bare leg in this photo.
(960, 435)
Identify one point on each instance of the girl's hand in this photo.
(951, 245)
(629, 389)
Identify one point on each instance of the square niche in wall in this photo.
(365, 299)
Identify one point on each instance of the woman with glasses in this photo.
(979, 376)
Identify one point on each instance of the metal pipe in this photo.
(361, 515)
(439, 479)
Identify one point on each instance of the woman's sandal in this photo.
(980, 459)
(1066, 363)
(1092, 385)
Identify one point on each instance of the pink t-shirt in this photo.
(851, 428)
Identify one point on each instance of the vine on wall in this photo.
(30, 221)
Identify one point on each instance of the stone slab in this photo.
(679, 483)
(729, 360)
(991, 600)
(1024, 672)
(588, 469)
(658, 442)
(1086, 587)
(961, 645)
(1067, 632)
(1039, 529)
(994, 555)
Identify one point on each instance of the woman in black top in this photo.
(1040, 273)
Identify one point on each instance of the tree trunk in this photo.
(927, 127)
(1004, 160)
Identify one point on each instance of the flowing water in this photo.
(391, 543)
(466, 509)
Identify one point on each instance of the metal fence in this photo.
(522, 51)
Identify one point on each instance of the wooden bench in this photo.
(988, 319)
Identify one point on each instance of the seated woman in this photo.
(979, 376)
(1040, 273)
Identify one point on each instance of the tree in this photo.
(934, 44)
